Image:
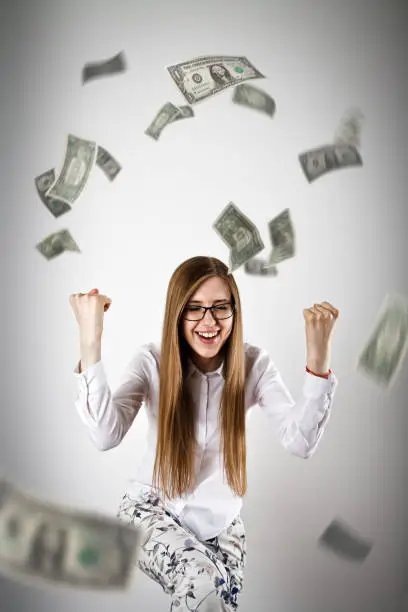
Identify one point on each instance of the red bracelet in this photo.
(320, 375)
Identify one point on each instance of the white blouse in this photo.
(212, 505)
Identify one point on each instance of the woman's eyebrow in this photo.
(215, 301)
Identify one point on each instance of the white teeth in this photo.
(207, 335)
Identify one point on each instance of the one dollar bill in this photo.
(317, 162)
(107, 163)
(282, 234)
(204, 76)
(79, 161)
(344, 541)
(253, 97)
(40, 541)
(43, 182)
(167, 114)
(382, 357)
(259, 267)
(350, 128)
(57, 243)
(114, 65)
(240, 234)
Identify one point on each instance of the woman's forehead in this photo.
(214, 288)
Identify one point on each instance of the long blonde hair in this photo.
(174, 463)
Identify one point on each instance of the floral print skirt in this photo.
(206, 576)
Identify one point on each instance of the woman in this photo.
(198, 388)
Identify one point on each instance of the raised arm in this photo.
(300, 425)
(108, 416)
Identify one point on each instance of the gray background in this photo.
(320, 57)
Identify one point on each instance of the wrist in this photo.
(326, 375)
(90, 355)
(90, 341)
(318, 368)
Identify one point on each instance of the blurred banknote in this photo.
(252, 97)
(282, 236)
(184, 113)
(207, 75)
(344, 541)
(167, 114)
(317, 162)
(57, 243)
(107, 163)
(349, 129)
(79, 160)
(43, 182)
(240, 234)
(382, 357)
(40, 541)
(258, 267)
(114, 65)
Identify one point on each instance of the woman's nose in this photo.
(208, 313)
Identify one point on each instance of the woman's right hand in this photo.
(89, 310)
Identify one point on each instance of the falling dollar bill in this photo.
(259, 267)
(317, 162)
(78, 163)
(350, 128)
(240, 234)
(207, 75)
(107, 163)
(345, 541)
(382, 357)
(43, 182)
(252, 97)
(185, 112)
(40, 541)
(57, 243)
(114, 65)
(167, 114)
(282, 234)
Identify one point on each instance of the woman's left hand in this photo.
(320, 321)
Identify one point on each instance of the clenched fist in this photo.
(89, 309)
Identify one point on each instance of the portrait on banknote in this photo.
(220, 74)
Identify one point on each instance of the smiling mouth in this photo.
(208, 338)
(213, 333)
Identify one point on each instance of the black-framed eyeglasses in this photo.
(193, 312)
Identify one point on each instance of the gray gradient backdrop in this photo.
(320, 58)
